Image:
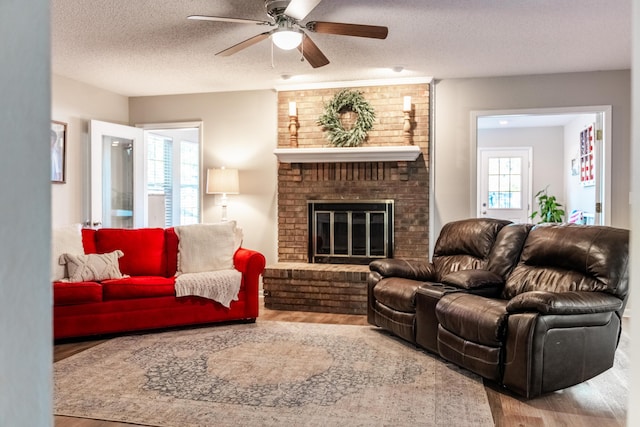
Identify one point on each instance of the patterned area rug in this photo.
(268, 374)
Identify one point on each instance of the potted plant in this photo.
(549, 208)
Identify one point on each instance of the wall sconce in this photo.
(406, 128)
(223, 181)
(293, 124)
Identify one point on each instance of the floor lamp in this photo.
(223, 181)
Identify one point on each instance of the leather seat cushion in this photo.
(397, 293)
(473, 318)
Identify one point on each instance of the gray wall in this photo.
(76, 104)
(633, 412)
(454, 153)
(239, 131)
(25, 211)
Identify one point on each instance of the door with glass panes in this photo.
(505, 183)
(117, 195)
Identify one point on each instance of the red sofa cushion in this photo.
(139, 287)
(71, 293)
(144, 249)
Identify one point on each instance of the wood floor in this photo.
(599, 402)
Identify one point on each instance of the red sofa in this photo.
(146, 299)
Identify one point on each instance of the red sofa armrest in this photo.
(251, 264)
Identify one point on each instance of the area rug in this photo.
(268, 374)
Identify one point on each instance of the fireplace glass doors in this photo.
(350, 232)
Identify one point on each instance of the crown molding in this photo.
(355, 83)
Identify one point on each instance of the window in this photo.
(505, 183)
(189, 183)
(173, 177)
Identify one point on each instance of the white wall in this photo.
(547, 164)
(76, 103)
(577, 196)
(454, 170)
(239, 131)
(25, 170)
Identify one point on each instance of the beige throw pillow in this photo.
(93, 267)
(207, 247)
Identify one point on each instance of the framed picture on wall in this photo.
(58, 151)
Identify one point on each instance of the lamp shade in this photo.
(222, 181)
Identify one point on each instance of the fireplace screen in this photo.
(353, 232)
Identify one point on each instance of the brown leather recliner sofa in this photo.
(535, 309)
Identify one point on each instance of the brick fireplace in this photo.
(296, 284)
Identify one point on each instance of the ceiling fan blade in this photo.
(370, 31)
(226, 19)
(245, 44)
(298, 9)
(312, 53)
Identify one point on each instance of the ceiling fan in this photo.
(285, 16)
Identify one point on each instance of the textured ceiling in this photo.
(148, 47)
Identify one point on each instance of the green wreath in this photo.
(343, 101)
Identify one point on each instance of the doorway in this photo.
(145, 176)
(174, 179)
(555, 136)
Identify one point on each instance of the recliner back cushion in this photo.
(569, 257)
(144, 249)
(506, 250)
(465, 244)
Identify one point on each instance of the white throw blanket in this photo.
(221, 285)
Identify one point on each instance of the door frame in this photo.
(603, 180)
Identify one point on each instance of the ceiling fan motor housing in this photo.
(276, 8)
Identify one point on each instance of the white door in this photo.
(117, 190)
(505, 183)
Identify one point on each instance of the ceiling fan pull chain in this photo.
(304, 36)
(273, 65)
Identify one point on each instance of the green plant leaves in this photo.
(548, 208)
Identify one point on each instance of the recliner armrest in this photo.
(564, 302)
(473, 279)
(406, 269)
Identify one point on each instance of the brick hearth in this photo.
(326, 288)
(295, 284)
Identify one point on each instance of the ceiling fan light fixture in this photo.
(287, 39)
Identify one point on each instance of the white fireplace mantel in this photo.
(348, 154)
